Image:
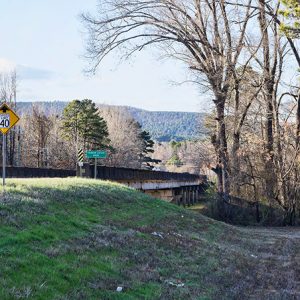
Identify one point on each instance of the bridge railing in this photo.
(105, 173)
(125, 174)
(23, 172)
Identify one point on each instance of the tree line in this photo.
(50, 140)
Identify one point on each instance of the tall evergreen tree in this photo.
(148, 144)
(82, 124)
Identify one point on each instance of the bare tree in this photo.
(8, 94)
(37, 128)
(196, 157)
(207, 35)
(125, 137)
(8, 87)
(61, 154)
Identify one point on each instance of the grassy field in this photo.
(82, 239)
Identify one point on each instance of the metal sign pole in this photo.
(95, 173)
(3, 159)
(80, 169)
(8, 119)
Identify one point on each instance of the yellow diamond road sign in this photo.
(8, 118)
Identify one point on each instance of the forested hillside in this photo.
(166, 126)
(163, 126)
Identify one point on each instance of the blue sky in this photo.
(44, 40)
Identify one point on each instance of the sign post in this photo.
(3, 159)
(96, 154)
(8, 119)
(95, 169)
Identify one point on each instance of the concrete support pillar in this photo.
(184, 197)
(201, 192)
(167, 195)
(178, 193)
(173, 196)
(181, 196)
(197, 194)
(194, 195)
(178, 199)
(189, 195)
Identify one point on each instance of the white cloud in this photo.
(25, 72)
(30, 73)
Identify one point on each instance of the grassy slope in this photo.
(81, 239)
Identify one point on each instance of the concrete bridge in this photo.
(180, 188)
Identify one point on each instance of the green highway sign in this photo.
(96, 154)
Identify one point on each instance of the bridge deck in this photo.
(139, 179)
(159, 185)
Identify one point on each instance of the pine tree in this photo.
(82, 124)
(148, 148)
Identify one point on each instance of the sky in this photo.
(44, 41)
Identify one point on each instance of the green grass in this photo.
(72, 238)
(81, 239)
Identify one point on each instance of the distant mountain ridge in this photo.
(163, 126)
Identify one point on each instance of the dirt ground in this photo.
(273, 263)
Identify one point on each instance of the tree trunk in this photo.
(298, 123)
(269, 166)
(223, 150)
(269, 85)
(235, 169)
